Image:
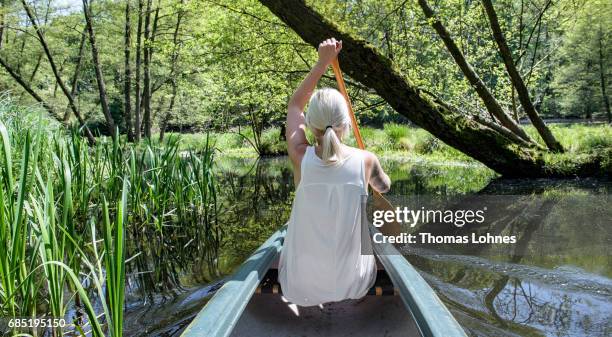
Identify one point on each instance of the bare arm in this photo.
(379, 180)
(296, 126)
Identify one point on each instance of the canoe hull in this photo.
(235, 310)
(269, 315)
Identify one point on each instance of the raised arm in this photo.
(296, 127)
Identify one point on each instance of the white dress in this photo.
(322, 258)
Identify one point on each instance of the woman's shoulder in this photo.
(368, 157)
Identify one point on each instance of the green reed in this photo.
(114, 261)
(54, 190)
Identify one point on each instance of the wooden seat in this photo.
(382, 287)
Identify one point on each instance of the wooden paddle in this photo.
(380, 202)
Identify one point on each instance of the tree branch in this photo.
(517, 80)
(485, 95)
(28, 89)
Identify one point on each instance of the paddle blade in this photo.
(382, 204)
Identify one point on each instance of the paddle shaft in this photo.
(342, 87)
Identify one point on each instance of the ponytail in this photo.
(331, 146)
(327, 117)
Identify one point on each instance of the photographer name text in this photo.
(428, 238)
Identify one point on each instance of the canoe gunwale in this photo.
(222, 312)
(432, 317)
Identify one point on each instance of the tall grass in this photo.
(17, 289)
(114, 261)
(58, 196)
(581, 137)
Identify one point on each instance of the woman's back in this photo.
(322, 258)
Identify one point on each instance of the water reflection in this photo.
(515, 294)
(555, 282)
(172, 281)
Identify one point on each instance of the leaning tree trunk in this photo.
(99, 76)
(365, 64)
(517, 80)
(56, 72)
(481, 89)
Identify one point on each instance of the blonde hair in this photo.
(327, 114)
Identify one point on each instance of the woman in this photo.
(322, 258)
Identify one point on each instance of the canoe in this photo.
(250, 304)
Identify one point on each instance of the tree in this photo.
(138, 107)
(173, 69)
(582, 78)
(2, 4)
(56, 73)
(146, 92)
(149, 38)
(127, 80)
(602, 72)
(517, 80)
(99, 76)
(487, 97)
(77, 70)
(429, 112)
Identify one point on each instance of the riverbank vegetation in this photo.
(76, 221)
(404, 142)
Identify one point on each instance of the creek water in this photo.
(566, 293)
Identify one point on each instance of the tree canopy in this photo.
(236, 58)
(183, 65)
